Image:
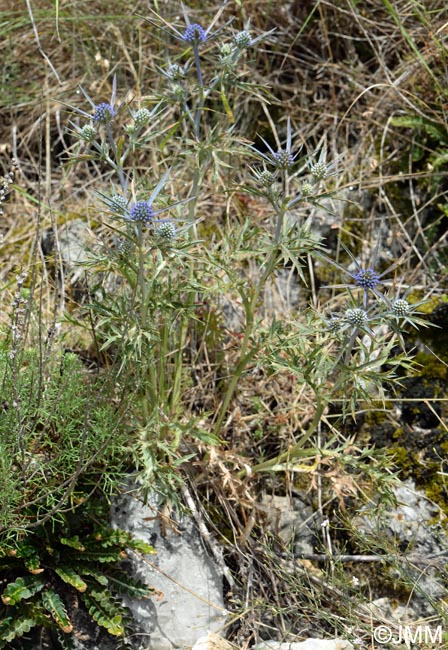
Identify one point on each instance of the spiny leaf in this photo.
(69, 575)
(53, 603)
(22, 588)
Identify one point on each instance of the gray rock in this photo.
(190, 602)
(289, 518)
(411, 523)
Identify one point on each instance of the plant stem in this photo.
(291, 453)
(245, 354)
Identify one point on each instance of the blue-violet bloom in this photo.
(282, 158)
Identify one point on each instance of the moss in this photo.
(419, 441)
(430, 305)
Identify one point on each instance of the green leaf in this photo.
(12, 628)
(105, 611)
(225, 103)
(142, 547)
(73, 542)
(21, 589)
(93, 573)
(104, 556)
(53, 603)
(108, 537)
(68, 575)
(133, 588)
(30, 557)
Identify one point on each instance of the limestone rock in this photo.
(189, 583)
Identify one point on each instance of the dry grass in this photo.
(342, 71)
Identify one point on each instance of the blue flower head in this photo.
(195, 34)
(283, 158)
(366, 278)
(142, 212)
(103, 113)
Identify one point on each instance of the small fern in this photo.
(14, 628)
(48, 575)
(21, 589)
(105, 611)
(54, 604)
(71, 577)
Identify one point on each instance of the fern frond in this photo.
(104, 611)
(111, 537)
(141, 546)
(71, 577)
(13, 628)
(53, 603)
(106, 556)
(123, 584)
(73, 542)
(21, 589)
(30, 557)
(88, 571)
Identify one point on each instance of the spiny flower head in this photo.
(364, 277)
(306, 189)
(142, 117)
(119, 203)
(356, 316)
(142, 212)
(166, 230)
(266, 178)
(319, 171)
(123, 245)
(175, 72)
(367, 278)
(284, 159)
(334, 324)
(87, 133)
(195, 33)
(243, 39)
(103, 113)
(401, 307)
(225, 50)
